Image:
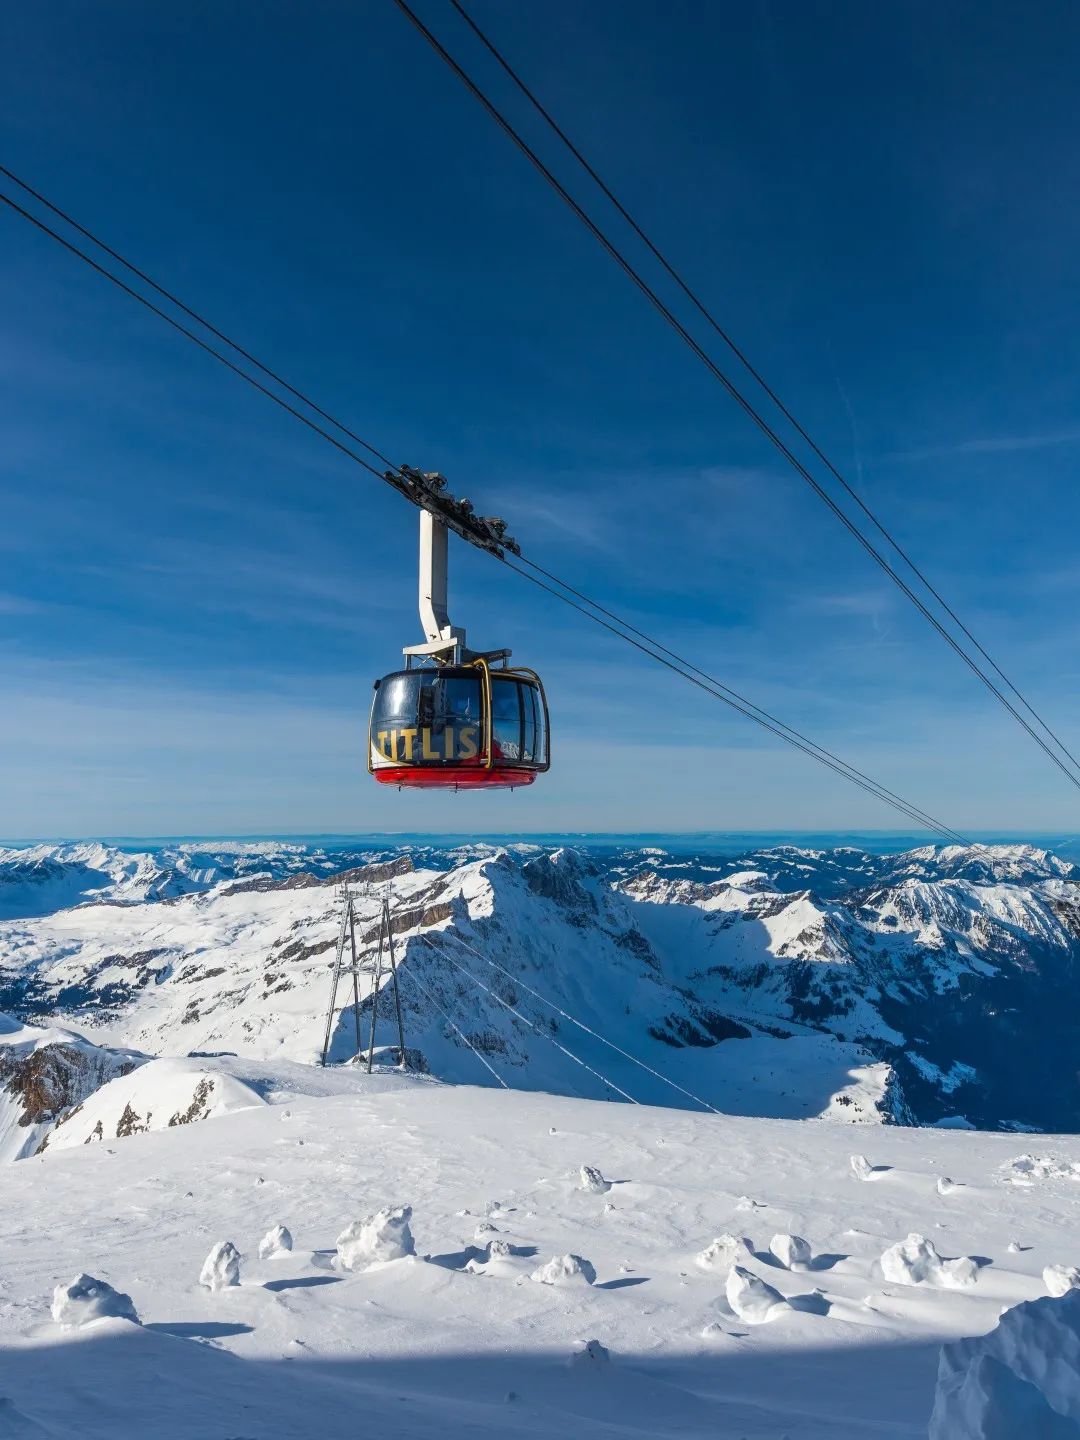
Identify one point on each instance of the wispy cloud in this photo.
(19, 605)
(989, 445)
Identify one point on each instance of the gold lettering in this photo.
(383, 751)
(448, 742)
(428, 752)
(468, 743)
(409, 737)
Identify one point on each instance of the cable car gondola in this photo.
(455, 719)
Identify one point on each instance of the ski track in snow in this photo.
(454, 1341)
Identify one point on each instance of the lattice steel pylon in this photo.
(386, 946)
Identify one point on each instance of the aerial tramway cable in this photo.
(526, 1021)
(703, 310)
(191, 314)
(596, 1034)
(393, 476)
(425, 991)
(748, 408)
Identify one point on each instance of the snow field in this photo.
(436, 1340)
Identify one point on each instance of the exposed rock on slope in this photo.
(45, 1074)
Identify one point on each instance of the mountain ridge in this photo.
(786, 981)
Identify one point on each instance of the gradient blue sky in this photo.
(880, 203)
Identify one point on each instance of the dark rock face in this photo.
(49, 1081)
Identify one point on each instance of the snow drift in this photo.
(1020, 1382)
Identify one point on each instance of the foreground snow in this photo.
(456, 1339)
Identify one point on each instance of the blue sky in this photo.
(880, 204)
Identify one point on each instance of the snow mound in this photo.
(1028, 1169)
(861, 1168)
(589, 1355)
(221, 1268)
(1021, 1380)
(565, 1270)
(915, 1261)
(792, 1251)
(275, 1242)
(724, 1251)
(750, 1298)
(1060, 1279)
(386, 1235)
(156, 1096)
(85, 1299)
(593, 1181)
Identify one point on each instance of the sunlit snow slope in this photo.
(458, 1340)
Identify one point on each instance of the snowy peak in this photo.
(982, 864)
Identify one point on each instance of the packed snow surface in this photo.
(434, 1343)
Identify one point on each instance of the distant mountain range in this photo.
(936, 985)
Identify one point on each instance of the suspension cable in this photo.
(460, 1033)
(516, 980)
(718, 374)
(713, 687)
(526, 1021)
(193, 315)
(759, 716)
(815, 752)
(190, 335)
(744, 360)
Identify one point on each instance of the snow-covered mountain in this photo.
(787, 982)
(38, 879)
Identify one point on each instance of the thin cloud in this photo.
(989, 445)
